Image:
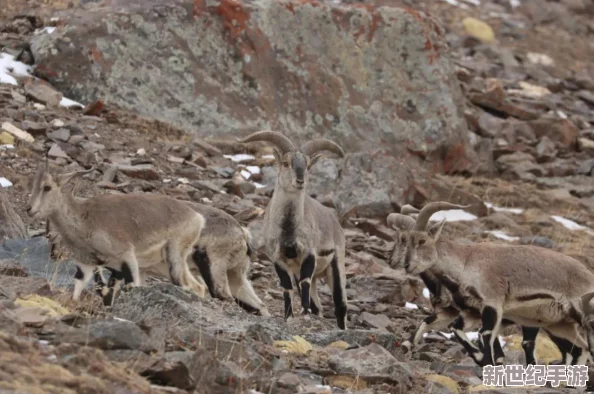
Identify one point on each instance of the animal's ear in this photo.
(278, 155)
(314, 159)
(435, 230)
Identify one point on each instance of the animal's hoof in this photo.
(406, 346)
(264, 313)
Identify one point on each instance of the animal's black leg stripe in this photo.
(247, 307)
(456, 327)
(307, 269)
(78, 274)
(430, 319)
(202, 261)
(529, 343)
(314, 308)
(339, 304)
(566, 348)
(285, 281)
(489, 318)
(126, 273)
(498, 352)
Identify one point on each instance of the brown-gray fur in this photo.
(223, 255)
(119, 230)
(303, 237)
(527, 285)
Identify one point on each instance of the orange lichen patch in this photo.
(234, 16)
(98, 58)
(198, 8)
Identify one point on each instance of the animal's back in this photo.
(133, 217)
(522, 265)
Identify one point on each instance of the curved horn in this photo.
(278, 139)
(429, 209)
(400, 222)
(408, 209)
(313, 146)
(63, 179)
(586, 309)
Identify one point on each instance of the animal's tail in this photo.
(248, 242)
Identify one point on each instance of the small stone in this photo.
(6, 139)
(586, 145)
(175, 159)
(60, 134)
(545, 150)
(57, 123)
(141, 152)
(34, 128)
(94, 109)
(57, 151)
(143, 171)
(18, 133)
(478, 29)
(376, 321)
(537, 241)
(43, 93)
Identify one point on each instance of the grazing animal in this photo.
(303, 237)
(445, 313)
(122, 232)
(223, 256)
(526, 285)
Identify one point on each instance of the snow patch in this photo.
(408, 305)
(457, 4)
(570, 224)
(47, 29)
(539, 58)
(10, 67)
(246, 174)
(258, 185)
(268, 157)
(514, 3)
(515, 211)
(253, 169)
(426, 293)
(66, 102)
(502, 235)
(240, 157)
(7, 146)
(454, 215)
(5, 182)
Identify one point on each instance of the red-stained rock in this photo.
(364, 76)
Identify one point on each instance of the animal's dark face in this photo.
(293, 171)
(45, 197)
(414, 251)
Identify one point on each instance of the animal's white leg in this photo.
(491, 317)
(244, 293)
(316, 306)
(82, 277)
(437, 321)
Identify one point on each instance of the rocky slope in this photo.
(519, 92)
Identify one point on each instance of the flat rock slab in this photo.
(34, 256)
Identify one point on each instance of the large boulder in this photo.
(377, 80)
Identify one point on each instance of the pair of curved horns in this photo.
(586, 309)
(285, 145)
(63, 179)
(404, 222)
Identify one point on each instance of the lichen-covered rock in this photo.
(366, 77)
